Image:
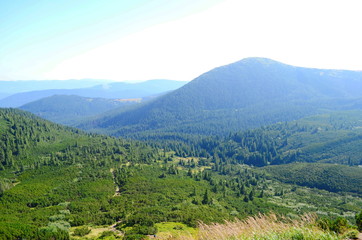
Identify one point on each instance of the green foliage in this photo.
(106, 234)
(28, 142)
(331, 177)
(54, 231)
(328, 138)
(55, 177)
(359, 221)
(351, 234)
(135, 237)
(82, 231)
(338, 225)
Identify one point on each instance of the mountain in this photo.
(248, 93)
(69, 109)
(106, 90)
(131, 90)
(33, 85)
(4, 95)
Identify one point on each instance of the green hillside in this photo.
(58, 182)
(330, 177)
(333, 137)
(45, 167)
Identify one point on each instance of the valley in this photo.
(252, 150)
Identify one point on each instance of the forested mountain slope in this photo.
(333, 137)
(28, 141)
(57, 182)
(248, 93)
(330, 177)
(70, 109)
(44, 167)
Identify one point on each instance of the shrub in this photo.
(339, 225)
(53, 232)
(55, 218)
(106, 234)
(82, 231)
(142, 230)
(77, 221)
(351, 234)
(178, 227)
(135, 237)
(359, 221)
(140, 219)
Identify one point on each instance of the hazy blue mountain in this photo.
(33, 85)
(107, 90)
(244, 94)
(148, 87)
(69, 109)
(4, 95)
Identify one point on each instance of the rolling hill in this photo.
(70, 109)
(248, 93)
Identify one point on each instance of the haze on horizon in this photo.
(181, 39)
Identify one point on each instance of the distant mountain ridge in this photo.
(244, 94)
(109, 90)
(69, 109)
(18, 86)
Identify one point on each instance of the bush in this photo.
(55, 218)
(140, 219)
(53, 232)
(340, 225)
(135, 237)
(77, 221)
(144, 230)
(325, 224)
(106, 234)
(359, 221)
(82, 231)
(178, 227)
(351, 234)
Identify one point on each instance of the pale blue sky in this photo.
(175, 39)
(38, 34)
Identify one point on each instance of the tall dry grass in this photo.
(262, 227)
(253, 226)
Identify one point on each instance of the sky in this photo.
(137, 40)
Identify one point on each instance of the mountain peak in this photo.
(247, 93)
(259, 60)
